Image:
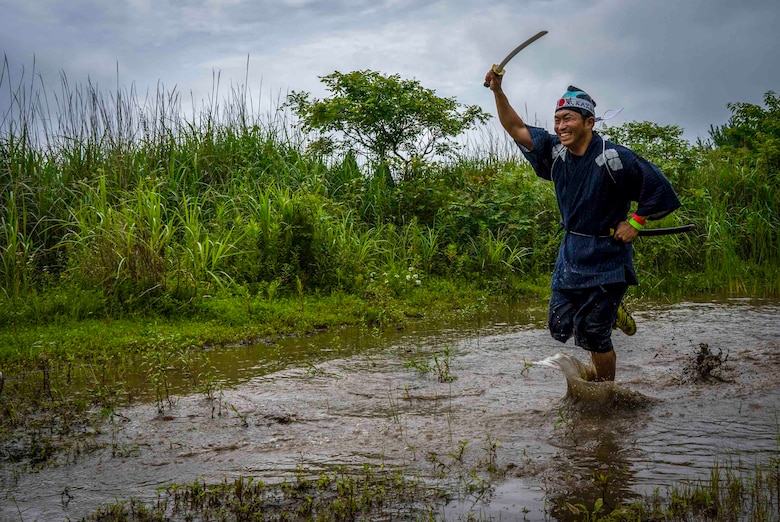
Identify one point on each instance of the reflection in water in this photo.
(473, 400)
(594, 441)
(593, 462)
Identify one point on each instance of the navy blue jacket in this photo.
(594, 193)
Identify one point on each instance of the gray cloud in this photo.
(672, 62)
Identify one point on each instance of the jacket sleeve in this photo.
(541, 157)
(655, 196)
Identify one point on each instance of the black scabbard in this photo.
(666, 231)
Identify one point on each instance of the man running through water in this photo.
(595, 183)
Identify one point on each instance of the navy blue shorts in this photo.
(588, 314)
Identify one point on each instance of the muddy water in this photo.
(501, 427)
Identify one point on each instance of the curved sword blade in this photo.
(519, 48)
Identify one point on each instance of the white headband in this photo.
(570, 102)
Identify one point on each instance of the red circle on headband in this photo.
(561, 102)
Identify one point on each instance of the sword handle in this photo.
(497, 72)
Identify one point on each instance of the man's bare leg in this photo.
(604, 364)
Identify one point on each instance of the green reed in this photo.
(203, 252)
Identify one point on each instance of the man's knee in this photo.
(561, 327)
(560, 318)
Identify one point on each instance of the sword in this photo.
(499, 69)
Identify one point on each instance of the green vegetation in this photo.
(125, 207)
(133, 236)
(730, 192)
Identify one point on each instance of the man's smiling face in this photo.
(573, 130)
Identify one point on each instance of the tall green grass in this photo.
(735, 248)
(152, 205)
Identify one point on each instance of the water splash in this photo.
(583, 391)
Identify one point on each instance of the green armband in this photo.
(636, 224)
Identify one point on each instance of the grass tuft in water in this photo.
(366, 493)
(727, 496)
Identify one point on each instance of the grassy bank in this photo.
(223, 224)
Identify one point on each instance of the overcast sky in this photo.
(673, 62)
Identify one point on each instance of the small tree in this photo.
(394, 122)
(661, 144)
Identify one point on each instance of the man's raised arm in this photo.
(510, 120)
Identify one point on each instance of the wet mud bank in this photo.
(465, 406)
